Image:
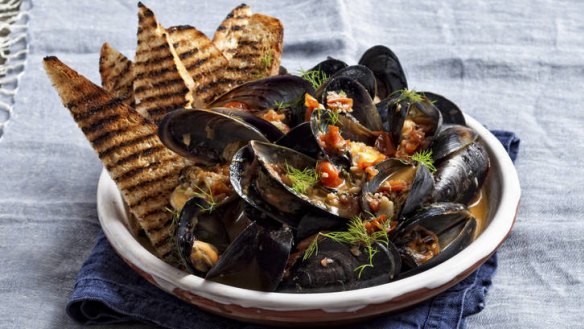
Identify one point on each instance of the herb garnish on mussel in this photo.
(340, 179)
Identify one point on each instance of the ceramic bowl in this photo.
(322, 308)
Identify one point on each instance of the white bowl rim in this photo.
(110, 208)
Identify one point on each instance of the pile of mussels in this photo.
(268, 235)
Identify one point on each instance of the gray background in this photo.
(514, 65)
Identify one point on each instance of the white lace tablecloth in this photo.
(513, 65)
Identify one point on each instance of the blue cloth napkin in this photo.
(107, 291)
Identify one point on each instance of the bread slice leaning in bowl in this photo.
(145, 171)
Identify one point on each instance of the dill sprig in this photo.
(425, 159)
(409, 95)
(207, 195)
(301, 180)
(355, 235)
(172, 230)
(315, 77)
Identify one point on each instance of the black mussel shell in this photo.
(256, 259)
(421, 185)
(452, 223)
(361, 74)
(460, 175)
(300, 138)
(335, 268)
(451, 114)
(363, 108)
(197, 221)
(271, 132)
(329, 66)
(205, 137)
(400, 108)
(268, 182)
(450, 139)
(387, 70)
(283, 92)
(242, 174)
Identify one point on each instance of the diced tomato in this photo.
(237, 106)
(311, 103)
(340, 104)
(394, 185)
(332, 139)
(328, 174)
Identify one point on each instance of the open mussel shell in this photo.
(273, 160)
(256, 259)
(399, 109)
(387, 69)
(349, 128)
(422, 184)
(329, 66)
(363, 108)
(242, 174)
(271, 132)
(450, 139)
(362, 75)
(300, 138)
(198, 221)
(205, 137)
(452, 223)
(335, 268)
(284, 92)
(451, 114)
(460, 175)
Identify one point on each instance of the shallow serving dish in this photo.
(323, 308)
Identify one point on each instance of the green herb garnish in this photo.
(409, 95)
(425, 159)
(315, 77)
(355, 235)
(172, 230)
(301, 180)
(207, 195)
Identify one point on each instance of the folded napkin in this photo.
(107, 291)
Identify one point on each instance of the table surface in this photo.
(513, 65)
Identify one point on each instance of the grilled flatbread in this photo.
(161, 83)
(145, 171)
(116, 73)
(230, 31)
(259, 51)
(204, 62)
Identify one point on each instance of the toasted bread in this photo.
(230, 31)
(116, 73)
(161, 83)
(204, 62)
(259, 51)
(145, 171)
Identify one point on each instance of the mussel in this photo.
(284, 94)
(337, 267)
(396, 189)
(387, 70)
(451, 113)
(205, 137)
(433, 234)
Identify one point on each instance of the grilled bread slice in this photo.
(116, 73)
(161, 84)
(204, 62)
(145, 171)
(230, 31)
(259, 51)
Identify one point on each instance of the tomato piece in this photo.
(333, 140)
(237, 106)
(328, 174)
(311, 103)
